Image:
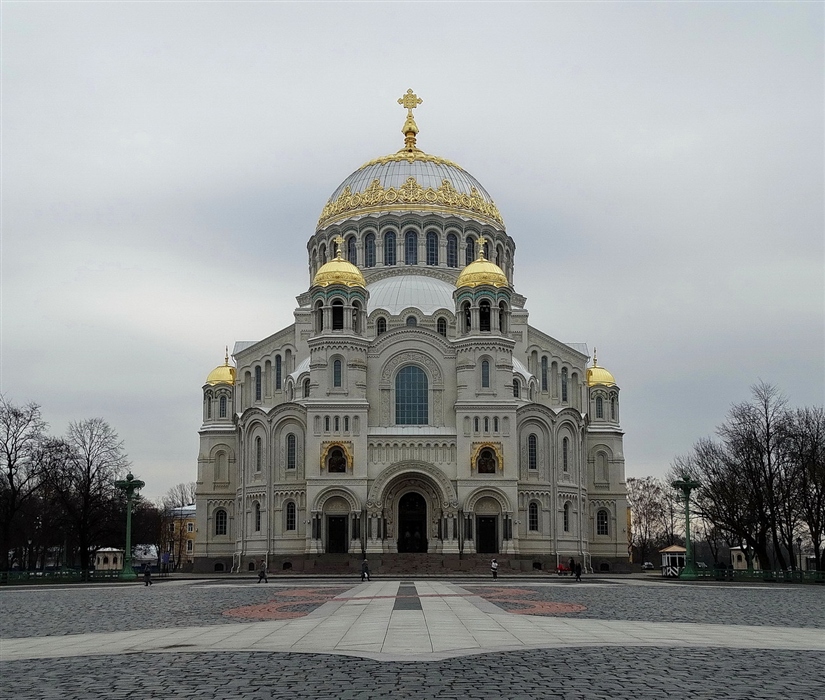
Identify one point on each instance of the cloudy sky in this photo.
(659, 165)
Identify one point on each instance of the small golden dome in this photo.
(599, 375)
(222, 374)
(339, 271)
(482, 271)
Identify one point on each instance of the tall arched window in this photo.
(257, 384)
(475, 424)
(564, 384)
(533, 517)
(369, 250)
(322, 253)
(389, 248)
(337, 315)
(500, 256)
(432, 248)
(486, 424)
(352, 253)
(411, 248)
(278, 372)
(602, 523)
(602, 470)
(380, 326)
(544, 373)
(565, 454)
(485, 374)
(222, 407)
(441, 326)
(487, 250)
(470, 250)
(566, 517)
(612, 408)
(502, 317)
(356, 316)
(220, 522)
(532, 451)
(319, 316)
(208, 404)
(259, 451)
(599, 407)
(411, 396)
(306, 388)
(291, 519)
(336, 373)
(467, 316)
(516, 389)
(290, 451)
(257, 517)
(484, 315)
(452, 250)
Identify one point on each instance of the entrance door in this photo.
(337, 540)
(412, 523)
(487, 536)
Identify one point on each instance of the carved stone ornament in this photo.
(377, 496)
(346, 446)
(477, 447)
(414, 357)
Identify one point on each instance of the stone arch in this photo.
(385, 482)
(487, 492)
(336, 492)
(416, 357)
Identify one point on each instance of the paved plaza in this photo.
(462, 638)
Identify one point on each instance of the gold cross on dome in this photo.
(409, 101)
(339, 239)
(482, 241)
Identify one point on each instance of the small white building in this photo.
(673, 560)
(109, 559)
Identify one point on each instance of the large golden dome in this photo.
(482, 271)
(599, 375)
(339, 271)
(410, 180)
(222, 374)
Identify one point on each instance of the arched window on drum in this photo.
(411, 396)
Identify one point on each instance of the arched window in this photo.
(502, 317)
(337, 315)
(369, 250)
(337, 423)
(356, 315)
(336, 373)
(564, 384)
(486, 461)
(352, 253)
(599, 407)
(612, 408)
(602, 527)
(544, 373)
(322, 253)
(259, 451)
(346, 424)
(565, 454)
(220, 522)
(484, 315)
(486, 424)
(533, 517)
(452, 250)
(222, 407)
(257, 517)
(412, 321)
(516, 389)
(257, 384)
(290, 451)
(532, 452)
(566, 517)
(441, 326)
(208, 404)
(475, 424)
(432, 248)
(319, 316)
(411, 248)
(380, 326)
(467, 316)
(495, 424)
(602, 471)
(470, 250)
(485, 374)
(389, 248)
(291, 519)
(278, 372)
(411, 396)
(500, 256)
(326, 424)
(487, 250)
(105, 560)
(306, 388)
(337, 461)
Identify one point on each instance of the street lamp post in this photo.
(129, 486)
(799, 553)
(686, 485)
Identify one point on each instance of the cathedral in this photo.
(410, 411)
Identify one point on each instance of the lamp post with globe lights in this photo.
(129, 485)
(686, 485)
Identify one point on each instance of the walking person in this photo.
(494, 568)
(578, 571)
(571, 565)
(147, 575)
(365, 570)
(262, 573)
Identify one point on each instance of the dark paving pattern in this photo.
(566, 674)
(796, 606)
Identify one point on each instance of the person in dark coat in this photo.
(147, 575)
(262, 573)
(578, 571)
(365, 570)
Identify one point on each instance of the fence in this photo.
(60, 576)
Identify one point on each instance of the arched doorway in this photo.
(412, 523)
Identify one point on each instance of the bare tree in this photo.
(83, 481)
(22, 436)
(646, 499)
(177, 497)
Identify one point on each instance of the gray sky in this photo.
(659, 165)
